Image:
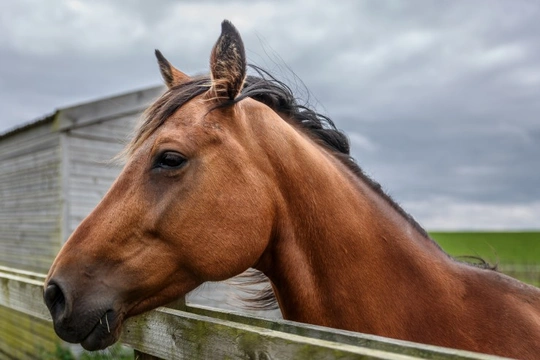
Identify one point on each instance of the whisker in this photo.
(107, 321)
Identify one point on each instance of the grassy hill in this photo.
(517, 253)
(502, 247)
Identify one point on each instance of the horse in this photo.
(227, 172)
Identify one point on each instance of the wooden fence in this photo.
(197, 332)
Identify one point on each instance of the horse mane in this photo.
(277, 95)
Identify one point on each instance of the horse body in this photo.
(223, 176)
(375, 273)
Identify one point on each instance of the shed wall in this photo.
(90, 153)
(30, 204)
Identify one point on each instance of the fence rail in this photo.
(197, 332)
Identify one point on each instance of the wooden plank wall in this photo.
(30, 206)
(91, 170)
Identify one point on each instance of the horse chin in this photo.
(105, 333)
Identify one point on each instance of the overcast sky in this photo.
(440, 99)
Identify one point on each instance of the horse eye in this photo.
(170, 160)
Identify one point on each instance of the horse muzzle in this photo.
(91, 321)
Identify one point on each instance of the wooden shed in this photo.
(54, 171)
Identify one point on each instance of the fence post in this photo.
(179, 304)
(142, 356)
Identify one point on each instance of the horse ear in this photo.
(228, 62)
(170, 74)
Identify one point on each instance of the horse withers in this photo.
(228, 172)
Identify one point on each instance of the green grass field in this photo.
(495, 247)
(516, 253)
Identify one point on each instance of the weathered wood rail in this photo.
(197, 332)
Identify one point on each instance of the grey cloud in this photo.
(440, 98)
(419, 160)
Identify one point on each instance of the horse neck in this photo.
(339, 247)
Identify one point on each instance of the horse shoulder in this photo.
(502, 311)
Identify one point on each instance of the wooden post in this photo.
(179, 304)
(141, 356)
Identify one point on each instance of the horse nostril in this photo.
(54, 299)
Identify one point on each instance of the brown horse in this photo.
(229, 172)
